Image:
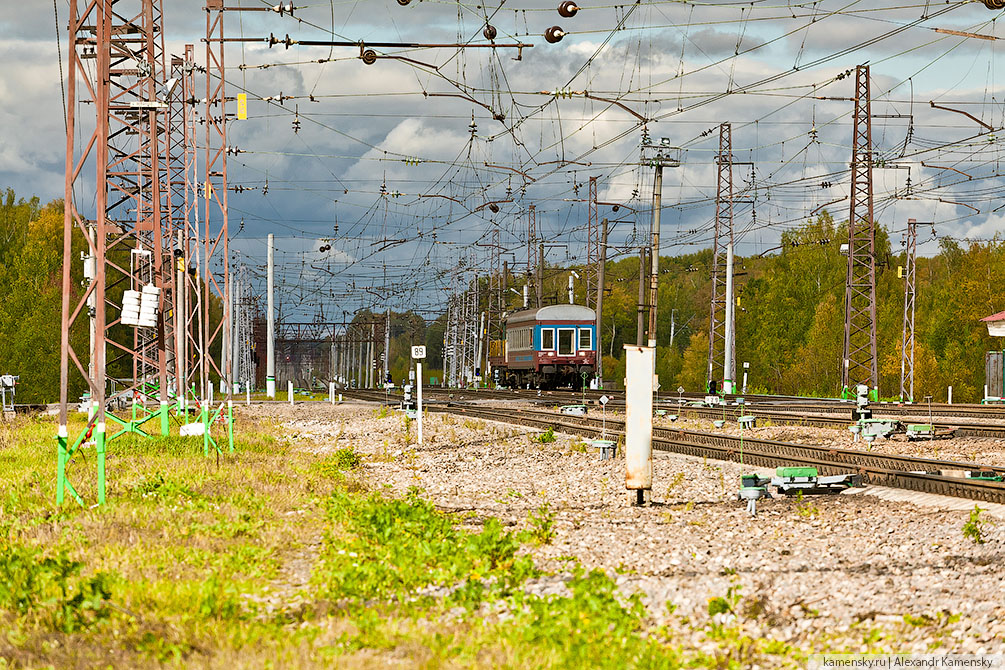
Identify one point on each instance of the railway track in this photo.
(916, 474)
(821, 415)
(960, 429)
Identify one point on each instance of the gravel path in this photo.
(822, 573)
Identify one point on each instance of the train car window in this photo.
(519, 338)
(585, 339)
(548, 339)
(566, 341)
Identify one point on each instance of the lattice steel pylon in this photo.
(533, 253)
(215, 268)
(859, 361)
(722, 238)
(124, 40)
(190, 297)
(907, 334)
(592, 244)
(175, 215)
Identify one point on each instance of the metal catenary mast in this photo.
(859, 361)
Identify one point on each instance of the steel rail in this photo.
(916, 474)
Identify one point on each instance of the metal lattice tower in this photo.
(907, 336)
(122, 39)
(723, 236)
(533, 253)
(592, 243)
(859, 362)
(216, 253)
(190, 295)
(175, 212)
(244, 338)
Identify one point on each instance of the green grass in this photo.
(277, 557)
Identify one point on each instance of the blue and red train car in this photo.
(548, 347)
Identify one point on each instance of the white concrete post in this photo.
(418, 398)
(270, 316)
(639, 419)
(289, 391)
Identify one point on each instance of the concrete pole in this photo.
(270, 316)
(654, 253)
(600, 304)
(226, 343)
(640, 333)
(727, 352)
(526, 296)
(373, 352)
(571, 302)
(181, 339)
(235, 344)
(387, 344)
(481, 344)
(418, 398)
(540, 274)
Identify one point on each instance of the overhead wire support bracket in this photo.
(960, 111)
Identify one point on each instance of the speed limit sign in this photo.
(418, 352)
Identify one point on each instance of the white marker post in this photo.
(639, 421)
(289, 391)
(418, 353)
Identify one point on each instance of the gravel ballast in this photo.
(822, 573)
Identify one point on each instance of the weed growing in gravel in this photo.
(406, 429)
(542, 524)
(392, 548)
(973, 529)
(806, 510)
(382, 412)
(675, 481)
(344, 459)
(592, 628)
(545, 437)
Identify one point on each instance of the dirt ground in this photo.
(822, 572)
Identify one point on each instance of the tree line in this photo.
(789, 313)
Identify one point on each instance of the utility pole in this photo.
(387, 343)
(640, 330)
(532, 261)
(727, 369)
(233, 342)
(718, 332)
(907, 334)
(601, 267)
(540, 275)
(592, 241)
(859, 362)
(270, 319)
(661, 156)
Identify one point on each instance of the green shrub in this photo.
(50, 589)
(546, 436)
(382, 548)
(973, 529)
(542, 524)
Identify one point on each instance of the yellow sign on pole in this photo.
(242, 106)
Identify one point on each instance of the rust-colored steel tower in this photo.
(722, 238)
(859, 361)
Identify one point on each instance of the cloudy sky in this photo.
(413, 168)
